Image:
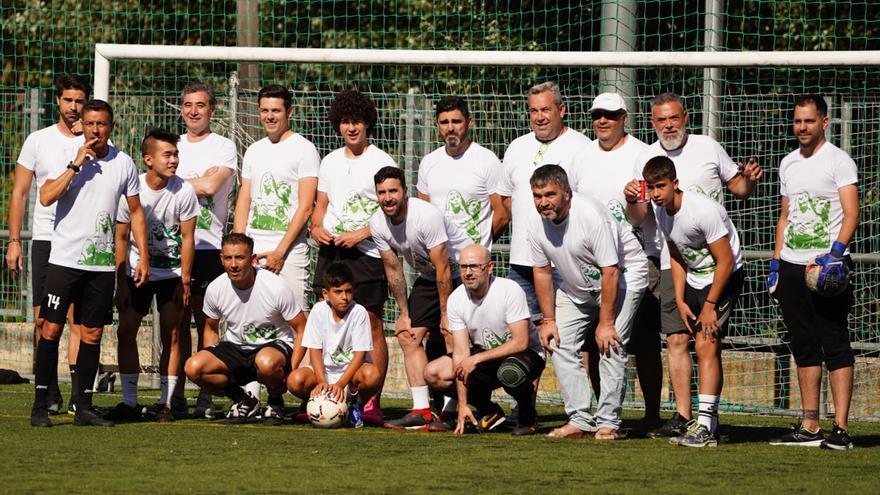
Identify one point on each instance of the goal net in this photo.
(744, 101)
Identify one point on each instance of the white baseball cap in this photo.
(611, 102)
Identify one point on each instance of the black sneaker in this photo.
(240, 412)
(523, 430)
(179, 407)
(123, 413)
(492, 419)
(838, 439)
(800, 436)
(273, 415)
(416, 419)
(40, 417)
(71, 408)
(90, 417)
(676, 426)
(204, 408)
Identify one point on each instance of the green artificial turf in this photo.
(198, 456)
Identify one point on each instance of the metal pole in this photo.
(618, 35)
(712, 89)
(247, 34)
(846, 125)
(101, 86)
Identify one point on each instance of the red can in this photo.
(643, 192)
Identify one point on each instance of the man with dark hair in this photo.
(702, 166)
(494, 345)
(577, 235)
(461, 177)
(818, 218)
(707, 277)
(208, 162)
(170, 208)
(340, 222)
(82, 260)
(44, 152)
(339, 340)
(428, 242)
(279, 180)
(264, 329)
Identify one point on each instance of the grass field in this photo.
(191, 456)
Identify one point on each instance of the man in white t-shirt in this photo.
(701, 166)
(461, 178)
(819, 216)
(550, 142)
(170, 208)
(494, 345)
(82, 261)
(43, 151)
(601, 170)
(279, 180)
(707, 277)
(341, 221)
(604, 273)
(208, 162)
(429, 243)
(263, 339)
(339, 340)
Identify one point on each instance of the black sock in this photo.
(525, 401)
(74, 384)
(234, 392)
(87, 368)
(46, 366)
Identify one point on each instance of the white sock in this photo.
(420, 396)
(253, 388)
(172, 384)
(450, 405)
(129, 388)
(708, 415)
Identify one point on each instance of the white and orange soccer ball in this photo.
(326, 412)
(811, 278)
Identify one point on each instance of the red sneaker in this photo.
(372, 412)
(414, 420)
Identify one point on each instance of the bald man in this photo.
(495, 344)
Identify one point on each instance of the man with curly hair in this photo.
(341, 220)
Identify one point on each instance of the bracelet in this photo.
(549, 319)
(711, 302)
(74, 167)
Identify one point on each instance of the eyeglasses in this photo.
(598, 114)
(475, 267)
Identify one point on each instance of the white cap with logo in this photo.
(611, 102)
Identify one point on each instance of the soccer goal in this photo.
(743, 99)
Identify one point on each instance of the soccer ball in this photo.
(811, 279)
(326, 412)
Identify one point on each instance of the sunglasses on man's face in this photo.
(598, 114)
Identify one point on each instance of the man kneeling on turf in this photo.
(495, 345)
(338, 338)
(264, 328)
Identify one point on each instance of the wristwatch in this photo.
(74, 167)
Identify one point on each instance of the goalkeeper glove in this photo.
(773, 279)
(833, 276)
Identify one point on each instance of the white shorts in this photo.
(296, 273)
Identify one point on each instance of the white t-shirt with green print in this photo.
(812, 188)
(274, 170)
(254, 316)
(338, 340)
(164, 210)
(195, 159)
(699, 222)
(351, 192)
(460, 186)
(85, 218)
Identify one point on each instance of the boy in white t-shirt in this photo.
(707, 276)
(170, 208)
(339, 339)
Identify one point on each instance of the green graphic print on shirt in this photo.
(253, 334)
(692, 255)
(808, 225)
(714, 195)
(456, 205)
(164, 245)
(206, 209)
(270, 209)
(342, 356)
(492, 340)
(99, 249)
(356, 213)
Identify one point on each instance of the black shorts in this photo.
(817, 325)
(370, 284)
(39, 266)
(206, 267)
(91, 294)
(486, 373)
(166, 291)
(240, 361)
(726, 301)
(645, 336)
(424, 303)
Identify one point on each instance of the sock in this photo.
(46, 366)
(708, 416)
(450, 406)
(253, 388)
(352, 397)
(172, 384)
(420, 397)
(74, 383)
(87, 362)
(234, 392)
(129, 388)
